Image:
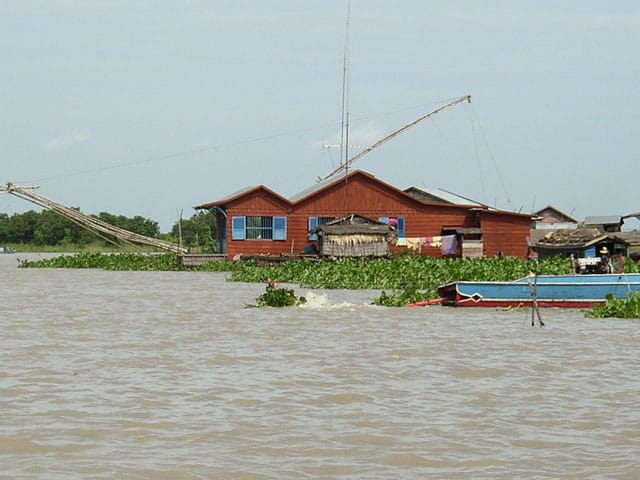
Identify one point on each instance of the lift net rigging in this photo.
(345, 166)
(99, 227)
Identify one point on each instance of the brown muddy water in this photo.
(166, 375)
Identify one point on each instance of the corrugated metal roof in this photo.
(442, 195)
(603, 220)
(556, 226)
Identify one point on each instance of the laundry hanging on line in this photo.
(448, 244)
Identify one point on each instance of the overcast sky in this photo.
(149, 107)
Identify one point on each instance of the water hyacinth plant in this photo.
(404, 279)
(109, 261)
(617, 307)
(275, 296)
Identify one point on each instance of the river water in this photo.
(167, 375)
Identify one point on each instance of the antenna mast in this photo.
(344, 133)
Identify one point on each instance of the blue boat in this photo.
(566, 291)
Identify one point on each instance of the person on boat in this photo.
(532, 254)
(607, 266)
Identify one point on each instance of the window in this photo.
(258, 228)
(316, 221)
(398, 222)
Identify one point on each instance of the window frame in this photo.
(259, 227)
(315, 222)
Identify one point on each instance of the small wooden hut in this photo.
(354, 236)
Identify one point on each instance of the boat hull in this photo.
(563, 291)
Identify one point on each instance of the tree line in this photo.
(47, 228)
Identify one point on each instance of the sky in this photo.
(150, 107)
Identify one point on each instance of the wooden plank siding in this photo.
(365, 195)
(260, 203)
(506, 234)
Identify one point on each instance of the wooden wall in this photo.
(373, 199)
(505, 233)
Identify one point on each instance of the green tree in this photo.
(142, 226)
(197, 231)
(137, 224)
(4, 228)
(20, 227)
(51, 229)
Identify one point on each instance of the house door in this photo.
(221, 244)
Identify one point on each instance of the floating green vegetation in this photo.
(275, 296)
(420, 272)
(402, 280)
(124, 261)
(617, 307)
(404, 297)
(109, 261)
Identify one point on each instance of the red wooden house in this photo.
(258, 220)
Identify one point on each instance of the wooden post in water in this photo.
(535, 310)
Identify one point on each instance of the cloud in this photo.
(75, 137)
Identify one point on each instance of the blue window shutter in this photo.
(279, 228)
(313, 223)
(402, 231)
(238, 228)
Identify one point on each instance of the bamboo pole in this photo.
(395, 133)
(535, 309)
(97, 226)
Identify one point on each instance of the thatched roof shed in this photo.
(354, 236)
